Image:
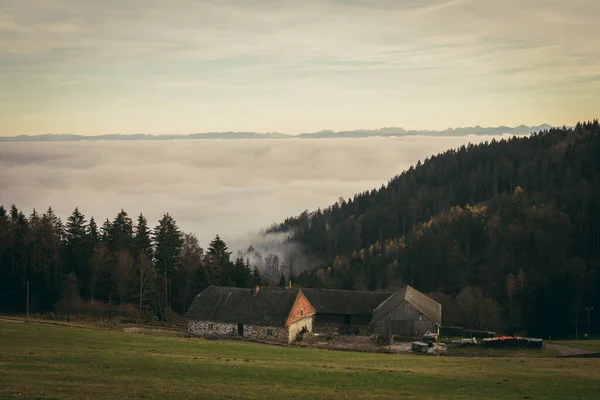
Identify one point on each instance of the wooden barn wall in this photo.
(406, 321)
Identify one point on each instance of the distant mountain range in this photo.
(359, 133)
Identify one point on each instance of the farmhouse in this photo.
(264, 313)
(407, 313)
(348, 311)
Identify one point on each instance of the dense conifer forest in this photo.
(506, 235)
(119, 267)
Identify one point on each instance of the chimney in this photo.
(256, 289)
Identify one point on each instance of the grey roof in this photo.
(270, 307)
(346, 302)
(429, 307)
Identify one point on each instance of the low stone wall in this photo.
(211, 328)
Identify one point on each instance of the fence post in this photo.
(27, 318)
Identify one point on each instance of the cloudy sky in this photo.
(185, 66)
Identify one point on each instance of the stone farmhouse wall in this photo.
(208, 328)
(277, 333)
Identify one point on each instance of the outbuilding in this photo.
(407, 313)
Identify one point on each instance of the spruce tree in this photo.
(76, 243)
(219, 251)
(121, 233)
(93, 233)
(142, 240)
(143, 253)
(282, 281)
(168, 242)
(256, 281)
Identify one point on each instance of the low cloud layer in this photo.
(231, 188)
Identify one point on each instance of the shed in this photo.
(407, 313)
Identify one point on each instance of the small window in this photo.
(211, 327)
(302, 312)
(269, 332)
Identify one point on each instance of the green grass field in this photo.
(61, 362)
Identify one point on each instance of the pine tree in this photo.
(120, 234)
(97, 257)
(105, 231)
(143, 254)
(185, 278)
(76, 243)
(282, 281)
(219, 251)
(168, 242)
(142, 240)
(93, 233)
(99, 264)
(239, 274)
(256, 281)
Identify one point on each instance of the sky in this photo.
(185, 66)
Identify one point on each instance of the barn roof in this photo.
(346, 302)
(269, 307)
(425, 304)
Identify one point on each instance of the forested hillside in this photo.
(79, 267)
(506, 234)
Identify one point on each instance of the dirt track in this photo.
(566, 350)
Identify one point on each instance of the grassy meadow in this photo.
(62, 362)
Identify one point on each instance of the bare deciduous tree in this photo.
(146, 274)
(122, 274)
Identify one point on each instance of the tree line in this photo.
(74, 263)
(506, 234)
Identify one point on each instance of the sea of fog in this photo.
(228, 187)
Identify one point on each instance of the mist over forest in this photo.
(235, 188)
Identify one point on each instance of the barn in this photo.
(347, 311)
(263, 313)
(407, 313)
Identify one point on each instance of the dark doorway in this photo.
(241, 330)
(347, 319)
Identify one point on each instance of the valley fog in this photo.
(233, 188)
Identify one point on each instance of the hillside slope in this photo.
(507, 232)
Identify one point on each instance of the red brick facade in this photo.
(301, 309)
